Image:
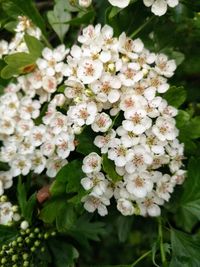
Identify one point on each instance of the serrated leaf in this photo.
(109, 169)
(57, 19)
(64, 254)
(185, 246)
(26, 205)
(123, 227)
(66, 218)
(175, 96)
(7, 233)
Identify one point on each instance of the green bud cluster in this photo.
(21, 252)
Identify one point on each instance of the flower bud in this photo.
(24, 225)
(84, 3)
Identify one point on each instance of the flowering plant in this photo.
(98, 133)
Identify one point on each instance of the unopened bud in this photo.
(85, 3)
(24, 225)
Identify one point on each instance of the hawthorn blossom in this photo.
(92, 163)
(159, 7)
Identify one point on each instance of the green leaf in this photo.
(84, 229)
(18, 63)
(182, 118)
(26, 206)
(66, 218)
(52, 209)
(83, 19)
(68, 179)
(185, 247)
(189, 207)
(7, 233)
(57, 19)
(109, 168)
(175, 96)
(64, 254)
(192, 128)
(35, 47)
(86, 142)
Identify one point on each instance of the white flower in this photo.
(101, 123)
(8, 152)
(164, 66)
(119, 3)
(58, 122)
(95, 181)
(139, 184)
(5, 181)
(7, 125)
(93, 202)
(159, 7)
(129, 47)
(125, 207)
(89, 70)
(164, 129)
(53, 165)
(49, 84)
(128, 138)
(6, 213)
(29, 108)
(92, 163)
(74, 89)
(38, 162)
(64, 144)
(37, 135)
(20, 165)
(106, 89)
(103, 142)
(130, 74)
(138, 159)
(83, 113)
(150, 205)
(118, 152)
(165, 187)
(136, 121)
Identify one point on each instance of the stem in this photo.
(160, 235)
(141, 258)
(142, 27)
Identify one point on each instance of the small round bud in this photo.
(3, 260)
(84, 3)
(3, 198)
(24, 225)
(42, 249)
(16, 217)
(28, 231)
(14, 243)
(33, 249)
(37, 243)
(14, 258)
(46, 235)
(19, 239)
(31, 235)
(25, 256)
(25, 264)
(15, 208)
(37, 230)
(27, 240)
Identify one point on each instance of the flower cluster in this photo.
(109, 77)
(8, 212)
(17, 44)
(158, 7)
(104, 78)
